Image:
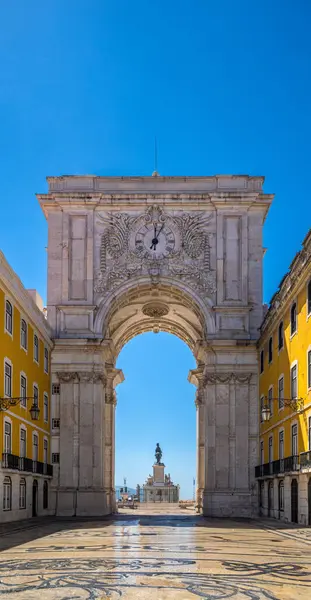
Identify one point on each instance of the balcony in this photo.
(280, 466)
(20, 463)
(305, 460)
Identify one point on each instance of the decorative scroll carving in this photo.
(156, 310)
(194, 237)
(67, 376)
(213, 378)
(188, 262)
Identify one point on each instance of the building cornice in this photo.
(26, 305)
(290, 284)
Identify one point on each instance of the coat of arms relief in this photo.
(155, 243)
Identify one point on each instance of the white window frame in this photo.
(36, 360)
(309, 431)
(7, 498)
(294, 364)
(22, 428)
(22, 374)
(281, 430)
(270, 339)
(35, 434)
(293, 424)
(45, 441)
(279, 379)
(9, 421)
(46, 405)
(270, 458)
(292, 333)
(23, 496)
(283, 340)
(46, 370)
(22, 320)
(35, 385)
(9, 362)
(7, 299)
(55, 462)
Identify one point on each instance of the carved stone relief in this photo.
(155, 244)
(213, 378)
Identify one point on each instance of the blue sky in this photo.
(85, 86)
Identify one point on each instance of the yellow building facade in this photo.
(284, 467)
(25, 349)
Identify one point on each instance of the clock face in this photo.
(155, 240)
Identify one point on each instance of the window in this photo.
(261, 453)
(36, 348)
(45, 407)
(293, 319)
(270, 352)
(270, 400)
(55, 388)
(281, 445)
(23, 390)
(281, 393)
(294, 440)
(7, 494)
(9, 317)
(262, 403)
(270, 449)
(281, 336)
(24, 334)
(45, 495)
(309, 298)
(46, 360)
(45, 451)
(22, 493)
(7, 437)
(309, 432)
(7, 379)
(22, 449)
(293, 381)
(35, 447)
(55, 423)
(55, 458)
(309, 369)
(261, 361)
(35, 395)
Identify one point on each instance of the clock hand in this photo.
(160, 231)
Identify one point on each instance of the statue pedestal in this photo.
(158, 474)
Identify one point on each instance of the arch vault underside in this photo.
(181, 255)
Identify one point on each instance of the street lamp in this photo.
(6, 403)
(294, 403)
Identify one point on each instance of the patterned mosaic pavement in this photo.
(142, 556)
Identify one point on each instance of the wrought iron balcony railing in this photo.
(277, 467)
(20, 463)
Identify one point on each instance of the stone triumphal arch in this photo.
(134, 254)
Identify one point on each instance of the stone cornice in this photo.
(289, 286)
(26, 305)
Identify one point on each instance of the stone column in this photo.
(109, 444)
(68, 443)
(200, 418)
(229, 484)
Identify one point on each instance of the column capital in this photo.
(228, 377)
(67, 376)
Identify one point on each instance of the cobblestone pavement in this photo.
(142, 555)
